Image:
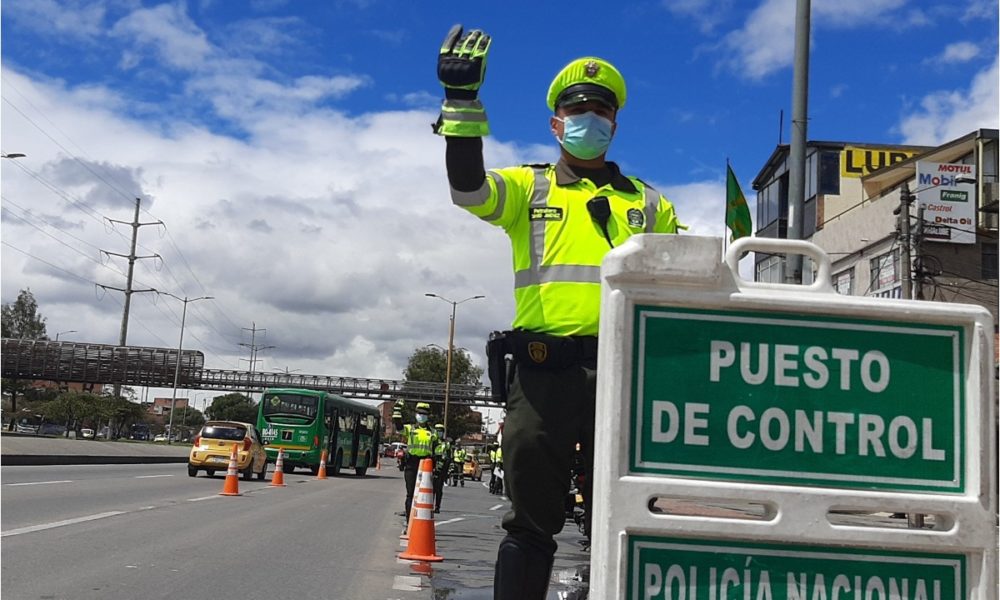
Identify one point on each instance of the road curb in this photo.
(64, 459)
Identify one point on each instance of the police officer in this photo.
(420, 442)
(458, 466)
(561, 220)
(442, 452)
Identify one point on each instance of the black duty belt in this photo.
(551, 351)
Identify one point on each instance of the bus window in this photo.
(347, 422)
(289, 405)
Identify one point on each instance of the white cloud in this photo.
(946, 115)
(956, 53)
(80, 20)
(708, 14)
(766, 42)
(169, 32)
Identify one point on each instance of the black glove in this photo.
(462, 63)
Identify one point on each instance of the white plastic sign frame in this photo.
(716, 389)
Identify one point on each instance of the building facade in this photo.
(857, 195)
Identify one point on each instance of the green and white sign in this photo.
(673, 569)
(797, 399)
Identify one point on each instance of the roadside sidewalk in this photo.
(39, 450)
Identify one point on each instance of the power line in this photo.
(73, 156)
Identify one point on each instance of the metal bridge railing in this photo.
(105, 364)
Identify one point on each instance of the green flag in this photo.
(737, 211)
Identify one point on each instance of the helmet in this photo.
(423, 407)
(439, 426)
(587, 78)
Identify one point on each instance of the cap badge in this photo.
(591, 68)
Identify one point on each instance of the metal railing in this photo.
(106, 364)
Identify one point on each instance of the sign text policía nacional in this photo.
(799, 399)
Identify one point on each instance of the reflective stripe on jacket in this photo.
(557, 247)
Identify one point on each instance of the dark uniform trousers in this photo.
(548, 412)
(410, 469)
(440, 474)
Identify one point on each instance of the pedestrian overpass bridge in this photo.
(105, 364)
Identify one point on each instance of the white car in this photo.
(87, 433)
(160, 437)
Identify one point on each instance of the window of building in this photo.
(843, 282)
(770, 270)
(989, 261)
(829, 172)
(772, 202)
(809, 218)
(884, 271)
(811, 171)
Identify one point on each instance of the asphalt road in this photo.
(150, 531)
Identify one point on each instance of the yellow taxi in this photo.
(472, 469)
(214, 444)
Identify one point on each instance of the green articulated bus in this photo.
(305, 422)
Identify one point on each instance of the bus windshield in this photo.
(289, 405)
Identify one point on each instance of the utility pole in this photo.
(128, 291)
(918, 256)
(177, 367)
(903, 227)
(797, 148)
(253, 347)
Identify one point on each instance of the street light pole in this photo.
(177, 369)
(451, 345)
(62, 332)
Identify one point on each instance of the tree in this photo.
(232, 407)
(71, 408)
(20, 320)
(431, 364)
(120, 413)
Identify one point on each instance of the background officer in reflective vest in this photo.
(442, 452)
(561, 220)
(420, 441)
(457, 466)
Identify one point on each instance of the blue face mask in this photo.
(421, 418)
(586, 136)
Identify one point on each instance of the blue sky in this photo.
(287, 148)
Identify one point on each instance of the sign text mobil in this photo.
(800, 399)
(660, 568)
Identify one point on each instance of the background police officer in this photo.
(420, 440)
(458, 456)
(442, 454)
(561, 220)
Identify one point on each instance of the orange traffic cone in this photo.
(421, 528)
(321, 473)
(278, 479)
(232, 485)
(378, 462)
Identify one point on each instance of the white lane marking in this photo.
(497, 507)
(44, 526)
(407, 583)
(39, 482)
(202, 498)
(150, 476)
(456, 520)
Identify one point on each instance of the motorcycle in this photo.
(576, 506)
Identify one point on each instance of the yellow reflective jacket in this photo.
(557, 246)
(420, 441)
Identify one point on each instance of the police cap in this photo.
(423, 407)
(588, 78)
